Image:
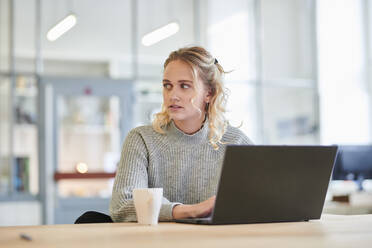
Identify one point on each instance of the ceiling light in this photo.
(61, 27)
(160, 34)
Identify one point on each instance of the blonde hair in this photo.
(205, 66)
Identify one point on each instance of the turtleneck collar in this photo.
(201, 136)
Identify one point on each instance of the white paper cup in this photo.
(147, 202)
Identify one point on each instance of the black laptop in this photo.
(261, 184)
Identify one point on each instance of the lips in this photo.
(175, 107)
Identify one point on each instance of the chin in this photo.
(176, 117)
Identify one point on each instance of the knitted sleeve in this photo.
(132, 173)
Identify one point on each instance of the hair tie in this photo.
(215, 61)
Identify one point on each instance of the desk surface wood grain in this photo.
(330, 231)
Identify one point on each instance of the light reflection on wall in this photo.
(344, 101)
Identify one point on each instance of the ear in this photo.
(208, 96)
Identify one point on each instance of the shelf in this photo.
(91, 175)
(32, 93)
(88, 128)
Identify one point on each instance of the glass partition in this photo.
(230, 35)
(5, 152)
(18, 136)
(153, 15)
(288, 63)
(242, 108)
(289, 115)
(25, 135)
(88, 142)
(288, 40)
(148, 101)
(24, 38)
(5, 29)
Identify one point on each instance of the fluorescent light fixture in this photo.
(61, 27)
(160, 34)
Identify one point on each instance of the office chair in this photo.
(93, 217)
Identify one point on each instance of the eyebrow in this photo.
(179, 81)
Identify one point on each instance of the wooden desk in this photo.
(330, 231)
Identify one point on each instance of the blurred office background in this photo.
(301, 74)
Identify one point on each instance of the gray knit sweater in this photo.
(185, 166)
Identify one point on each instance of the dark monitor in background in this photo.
(353, 163)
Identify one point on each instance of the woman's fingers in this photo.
(205, 208)
(201, 209)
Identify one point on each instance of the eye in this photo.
(167, 86)
(185, 86)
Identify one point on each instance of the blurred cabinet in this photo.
(83, 123)
(149, 99)
(18, 137)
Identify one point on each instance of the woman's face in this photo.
(179, 88)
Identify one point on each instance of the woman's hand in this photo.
(201, 209)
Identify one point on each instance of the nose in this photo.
(174, 95)
(175, 98)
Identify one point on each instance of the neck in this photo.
(190, 126)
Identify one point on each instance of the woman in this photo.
(183, 149)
